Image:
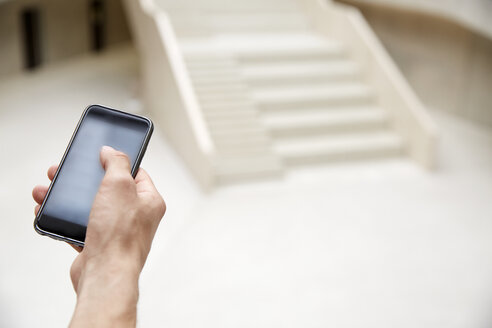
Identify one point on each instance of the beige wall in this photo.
(474, 14)
(10, 47)
(448, 65)
(64, 30)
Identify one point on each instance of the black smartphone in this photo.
(64, 213)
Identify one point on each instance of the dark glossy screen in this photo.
(66, 211)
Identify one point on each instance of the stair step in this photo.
(313, 95)
(216, 79)
(249, 150)
(211, 74)
(249, 21)
(184, 7)
(210, 61)
(228, 105)
(229, 170)
(200, 64)
(299, 72)
(311, 150)
(259, 21)
(238, 131)
(231, 116)
(262, 47)
(223, 123)
(207, 98)
(326, 51)
(308, 122)
(242, 141)
(220, 89)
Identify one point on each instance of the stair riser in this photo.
(229, 116)
(327, 129)
(206, 76)
(226, 5)
(243, 28)
(202, 62)
(226, 107)
(217, 81)
(343, 156)
(206, 81)
(208, 99)
(243, 151)
(277, 58)
(299, 80)
(238, 134)
(247, 27)
(316, 102)
(239, 143)
(208, 30)
(229, 123)
(219, 90)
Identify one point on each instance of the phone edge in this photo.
(134, 171)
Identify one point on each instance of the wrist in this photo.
(108, 292)
(108, 272)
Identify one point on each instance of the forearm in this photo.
(107, 295)
(123, 220)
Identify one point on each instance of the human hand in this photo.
(124, 218)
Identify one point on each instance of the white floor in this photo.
(366, 245)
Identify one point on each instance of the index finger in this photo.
(114, 161)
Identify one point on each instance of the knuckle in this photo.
(120, 180)
(121, 155)
(158, 207)
(161, 207)
(75, 268)
(153, 207)
(73, 271)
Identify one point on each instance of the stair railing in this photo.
(409, 117)
(167, 89)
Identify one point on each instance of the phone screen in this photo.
(69, 202)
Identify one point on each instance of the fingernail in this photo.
(107, 148)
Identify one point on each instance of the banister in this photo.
(411, 120)
(184, 83)
(167, 89)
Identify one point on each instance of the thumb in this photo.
(114, 161)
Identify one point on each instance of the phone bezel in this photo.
(134, 170)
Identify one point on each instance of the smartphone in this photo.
(64, 213)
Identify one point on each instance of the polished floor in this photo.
(382, 244)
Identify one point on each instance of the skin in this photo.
(124, 218)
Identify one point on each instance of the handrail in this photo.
(183, 80)
(167, 91)
(415, 122)
(411, 120)
(391, 70)
(180, 73)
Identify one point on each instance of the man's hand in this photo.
(122, 223)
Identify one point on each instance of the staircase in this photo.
(276, 93)
(316, 106)
(272, 101)
(243, 145)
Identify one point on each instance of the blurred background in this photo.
(323, 162)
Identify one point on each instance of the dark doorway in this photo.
(30, 20)
(97, 18)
